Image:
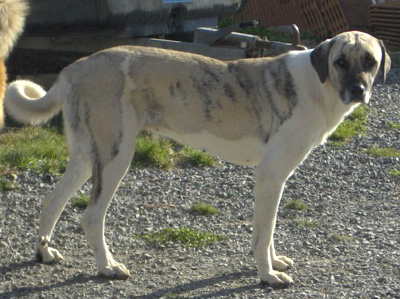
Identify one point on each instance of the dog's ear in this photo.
(320, 59)
(385, 62)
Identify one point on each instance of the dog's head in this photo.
(351, 61)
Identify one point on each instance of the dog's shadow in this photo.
(31, 290)
(204, 283)
(82, 279)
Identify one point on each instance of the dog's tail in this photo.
(12, 20)
(27, 102)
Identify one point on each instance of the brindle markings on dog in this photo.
(230, 92)
(95, 154)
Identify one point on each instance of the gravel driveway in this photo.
(351, 249)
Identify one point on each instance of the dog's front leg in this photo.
(267, 192)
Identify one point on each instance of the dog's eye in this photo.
(370, 63)
(342, 63)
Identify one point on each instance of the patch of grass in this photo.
(383, 152)
(393, 125)
(197, 158)
(154, 151)
(81, 201)
(203, 209)
(43, 149)
(6, 185)
(164, 153)
(304, 222)
(354, 124)
(189, 237)
(296, 205)
(339, 238)
(33, 148)
(395, 172)
(174, 296)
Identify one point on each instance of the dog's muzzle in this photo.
(357, 93)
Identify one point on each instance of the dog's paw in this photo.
(49, 256)
(46, 254)
(282, 263)
(114, 271)
(277, 280)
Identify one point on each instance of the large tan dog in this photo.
(267, 112)
(12, 19)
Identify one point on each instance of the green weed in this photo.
(383, 152)
(189, 237)
(340, 238)
(81, 201)
(395, 172)
(197, 158)
(304, 222)
(354, 124)
(204, 209)
(6, 185)
(174, 296)
(154, 151)
(393, 125)
(296, 205)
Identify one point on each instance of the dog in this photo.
(265, 112)
(12, 20)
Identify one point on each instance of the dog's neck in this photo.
(323, 96)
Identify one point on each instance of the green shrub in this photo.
(203, 209)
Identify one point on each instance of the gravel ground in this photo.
(348, 192)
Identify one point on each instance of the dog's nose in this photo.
(357, 90)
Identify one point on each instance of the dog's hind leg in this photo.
(106, 179)
(76, 174)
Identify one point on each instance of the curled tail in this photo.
(27, 102)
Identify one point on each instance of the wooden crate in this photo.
(324, 17)
(384, 20)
